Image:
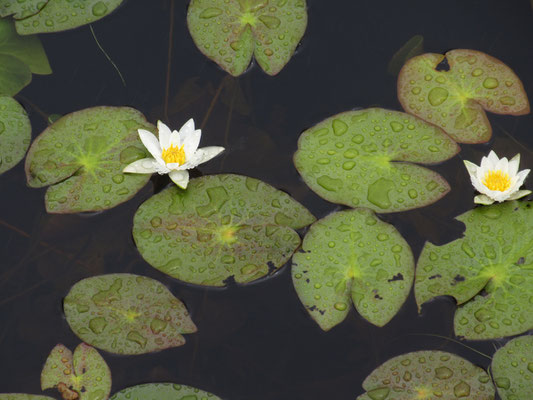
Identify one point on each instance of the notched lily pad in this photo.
(512, 369)
(352, 256)
(222, 226)
(15, 133)
(84, 375)
(60, 15)
(21, 9)
(23, 396)
(82, 156)
(126, 314)
(362, 159)
(230, 32)
(455, 99)
(427, 375)
(489, 272)
(160, 391)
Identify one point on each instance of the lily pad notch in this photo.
(456, 98)
(233, 31)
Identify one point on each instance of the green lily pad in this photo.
(126, 314)
(84, 375)
(413, 47)
(21, 9)
(22, 396)
(489, 271)
(82, 156)
(222, 226)
(361, 159)
(15, 133)
(352, 256)
(455, 100)
(60, 15)
(512, 369)
(14, 75)
(427, 375)
(27, 49)
(230, 32)
(159, 391)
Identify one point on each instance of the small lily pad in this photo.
(22, 396)
(413, 47)
(160, 391)
(489, 271)
(15, 133)
(230, 32)
(21, 9)
(82, 156)
(222, 226)
(84, 375)
(427, 375)
(60, 15)
(455, 98)
(126, 314)
(512, 369)
(353, 256)
(27, 49)
(14, 75)
(361, 159)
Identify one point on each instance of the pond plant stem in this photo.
(107, 56)
(451, 340)
(213, 102)
(169, 59)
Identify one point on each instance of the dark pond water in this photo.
(254, 342)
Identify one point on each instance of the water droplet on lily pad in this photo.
(15, 134)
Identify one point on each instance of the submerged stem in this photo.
(454, 341)
(106, 55)
(169, 58)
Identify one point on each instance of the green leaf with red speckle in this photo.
(512, 369)
(427, 375)
(21, 9)
(81, 157)
(84, 375)
(162, 391)
(363, 159)
(126, 314)
(22, 396)
(60, 15)
(455, 99)
(15, 133)
(489, 272)
(230, 32)
(220, 227)
(352, 256)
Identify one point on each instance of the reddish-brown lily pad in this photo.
(84, 375)
(456, 98)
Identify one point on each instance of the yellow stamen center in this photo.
(497, 180)
(174, 154)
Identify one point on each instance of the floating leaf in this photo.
(15, 133)
(126, 314)
(230, 32)
(427, 375)
(84, 376)
(22, 396)
(27, 49)
(489, 271)
(14, 75)
(222, 226)
(455, 99)
(21, 9)
(160, 391)
(353, 256)
(82, 156)
(413, 47)
(60, 15)
(350, 159)
(512, 369)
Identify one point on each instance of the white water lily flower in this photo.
(174, 153)
(497, 179)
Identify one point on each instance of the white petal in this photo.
(521, 177)
(519, 194)
(471, 168)
(142, 166)
(187, 128)
(180, 178)
(164, 135)
(482, 199)
(492, 159)
(151, 143)
(175, 139)
(502, 165)
(206, 153)
(191, 142)
(513, 165)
